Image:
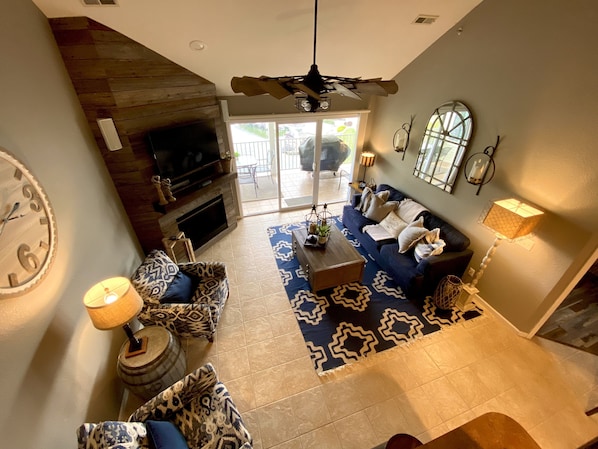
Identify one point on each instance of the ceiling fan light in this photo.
(324, 104)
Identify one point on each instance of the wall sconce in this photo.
(367, 160)
(114, 303)
(479, 167)
(400, 140)
(509, 220)
(109, 134)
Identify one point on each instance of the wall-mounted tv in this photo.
(181, 150)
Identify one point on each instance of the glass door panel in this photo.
(296, 151)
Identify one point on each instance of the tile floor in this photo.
(425, 388)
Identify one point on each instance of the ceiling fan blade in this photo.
(274, 87)
(376, 87)
(340, 89)
(303, 88)
(247, 85)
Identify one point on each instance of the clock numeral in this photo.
(18, 174)
(43, 221)
(27, 259)
(44, 245)
(12, 279)
(36, 201)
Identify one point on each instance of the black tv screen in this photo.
(182, 150)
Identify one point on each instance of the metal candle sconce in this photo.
(400, 140)
(478, 166)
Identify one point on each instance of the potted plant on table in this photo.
(225, 162)
(323, 232)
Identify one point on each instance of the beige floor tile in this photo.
(233, 364)
(277, 423)
(300, 375)
(254, 308)
(444, 399)
(356, 432)
(387, 419)
(242, 390)
(341, 397)
(470, 386)
(269, 385)
(263, 355)
(310, 410)
(324, 437)
(375, 386)
(230, 338)
(249, 290)
(295, 443)
(418, 411)
(564, 430)
(258, 330)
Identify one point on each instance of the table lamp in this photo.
(112, 303)
(510, 220)
(367, 160)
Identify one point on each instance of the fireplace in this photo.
(204, 222)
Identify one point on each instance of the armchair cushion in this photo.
(164, 435)
(112, 434)
(154, 276)
(180, 290)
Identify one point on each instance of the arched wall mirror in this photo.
(443, 146)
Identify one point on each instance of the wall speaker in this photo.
(109, 133)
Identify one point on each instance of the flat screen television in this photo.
(182, 150)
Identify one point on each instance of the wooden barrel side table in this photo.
(159, 367)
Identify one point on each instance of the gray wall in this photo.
(57, 369)
(527, 70)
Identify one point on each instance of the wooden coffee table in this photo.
(334, 264)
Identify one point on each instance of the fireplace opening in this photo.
(204, 222)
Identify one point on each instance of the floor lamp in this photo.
(510, 220)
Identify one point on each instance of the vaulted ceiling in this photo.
(374, 38)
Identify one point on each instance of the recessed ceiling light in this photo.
(197, 45)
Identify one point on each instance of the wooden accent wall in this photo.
(116, 77)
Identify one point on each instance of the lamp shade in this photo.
(112, 303)
(512, 219)
(367, 159)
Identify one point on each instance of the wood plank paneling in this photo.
(116, 77)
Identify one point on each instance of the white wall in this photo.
(57, 370)
(528, 72)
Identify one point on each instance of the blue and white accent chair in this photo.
(195, 412)
(186, 298)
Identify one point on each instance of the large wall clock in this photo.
(27, 228)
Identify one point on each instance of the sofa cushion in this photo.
(411, 234)
(164, 435)
(454, 239)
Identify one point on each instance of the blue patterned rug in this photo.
(343, 324)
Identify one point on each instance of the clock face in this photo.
(27, 228)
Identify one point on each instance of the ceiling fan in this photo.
(311, 90)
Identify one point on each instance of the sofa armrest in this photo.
(355, 199)
(175, 397)
(434, 268)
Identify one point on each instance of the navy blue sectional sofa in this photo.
(416, 279)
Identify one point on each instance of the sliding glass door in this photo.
(292, 163)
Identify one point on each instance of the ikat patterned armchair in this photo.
(187, 298)
(195, 412)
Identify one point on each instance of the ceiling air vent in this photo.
(100, 2)
(424, 19)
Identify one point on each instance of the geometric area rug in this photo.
(344, 324)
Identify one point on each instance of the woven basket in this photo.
(447, 292)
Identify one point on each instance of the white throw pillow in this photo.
(366, 198)
(393, 224)
(429, 245)
(411, 234)
(409, 209)
(379, 207)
